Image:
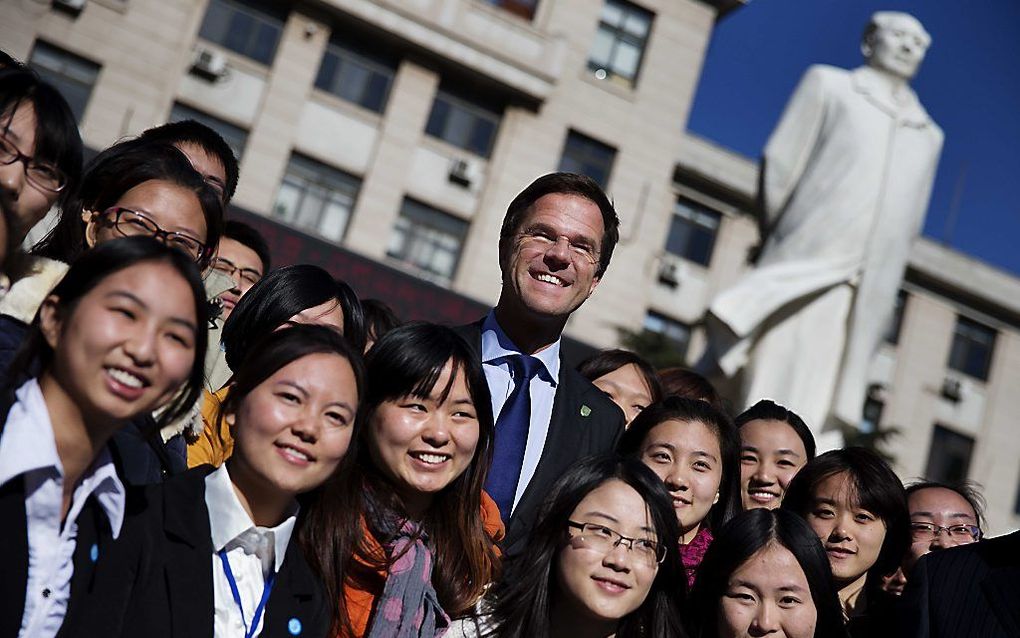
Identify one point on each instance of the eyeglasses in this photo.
(542, 239)
(249, 276)
(600, 538)
(40, 174)
(131, 223)
(930, 531)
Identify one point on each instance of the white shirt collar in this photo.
(497, 345)
(28, 445)
(228, 519)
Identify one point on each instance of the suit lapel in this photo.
(296, 604)
(1002, 590)
(14, 576)
(188, 560)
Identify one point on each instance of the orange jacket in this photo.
(360, 602)
(216, 443)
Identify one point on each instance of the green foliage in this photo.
(875, 440)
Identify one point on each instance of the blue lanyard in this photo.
(248, 631)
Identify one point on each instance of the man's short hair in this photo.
(193, 132)
(562, 184)
(246, 235)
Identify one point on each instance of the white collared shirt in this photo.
(28, 450)
(253, 552)
(496, 346)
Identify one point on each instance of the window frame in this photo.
(217, 124)
(954, 359)
(423, 216)
(474, 109)
(347, 53)
(618, 33)
(952, 440)
(63, 77)
(669, 322)
(694, 209)
(315, 174)
(587, 145)
(261, 12)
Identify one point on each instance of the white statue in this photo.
(844, 187)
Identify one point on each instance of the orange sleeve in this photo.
(216, 442)
(491, 520)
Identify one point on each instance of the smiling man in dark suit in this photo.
(972, 591)
(555, 244)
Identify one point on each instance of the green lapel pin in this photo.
(585, 410)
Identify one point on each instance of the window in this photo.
(872, 415)
(582, 154)
(355, 77)
(620, 42)
(522, 8)
(251, 28)
(235, 136)
(692, 232)
(949, 457)
(72, 75)
(463, 123)
(316, 198)
(892, 333)
(973, 344)
(676, 335)
(428, 239)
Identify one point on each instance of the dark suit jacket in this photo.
(572, 436)
(965, 592)
(157, 581)
(93, 532)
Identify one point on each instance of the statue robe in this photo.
(845, 183)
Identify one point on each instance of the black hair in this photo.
(57, 140)
(564, 184)
(281, 348)
(674, 408)
(967, 490)
(8, 61)
(379, 318)
(35, 354)
(688, 383)
(114, 172)
(767, 410)
(193, 132)
(872, 484)
(246, 235)
(738, 541)
(279, 296)
(606, 361)
(521, 601)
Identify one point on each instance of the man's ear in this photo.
(594, 283)
(50, 320)
(91, 220)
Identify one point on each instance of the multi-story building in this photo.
(384, 138)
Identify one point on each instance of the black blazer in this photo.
(971, 591)
(572, 436)
(94, 540)
(157, 582)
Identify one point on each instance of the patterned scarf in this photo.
(692, 553)
(408, 607)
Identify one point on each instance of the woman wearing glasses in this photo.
(602, 560)
(40, 152)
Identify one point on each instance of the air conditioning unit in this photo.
(209, 64)
(70, 6)
(669, 272)
(952, 390)
(463, 172)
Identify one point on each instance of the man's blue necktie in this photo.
(512, 434)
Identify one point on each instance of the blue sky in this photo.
(969, 83)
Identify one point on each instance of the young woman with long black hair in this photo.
(119, 336)
(214, 551)
(602, 561)
(765, 574)
(409, 541)
(301, 294)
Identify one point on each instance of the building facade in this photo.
(399, 130)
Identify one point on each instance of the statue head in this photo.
(895, 43)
